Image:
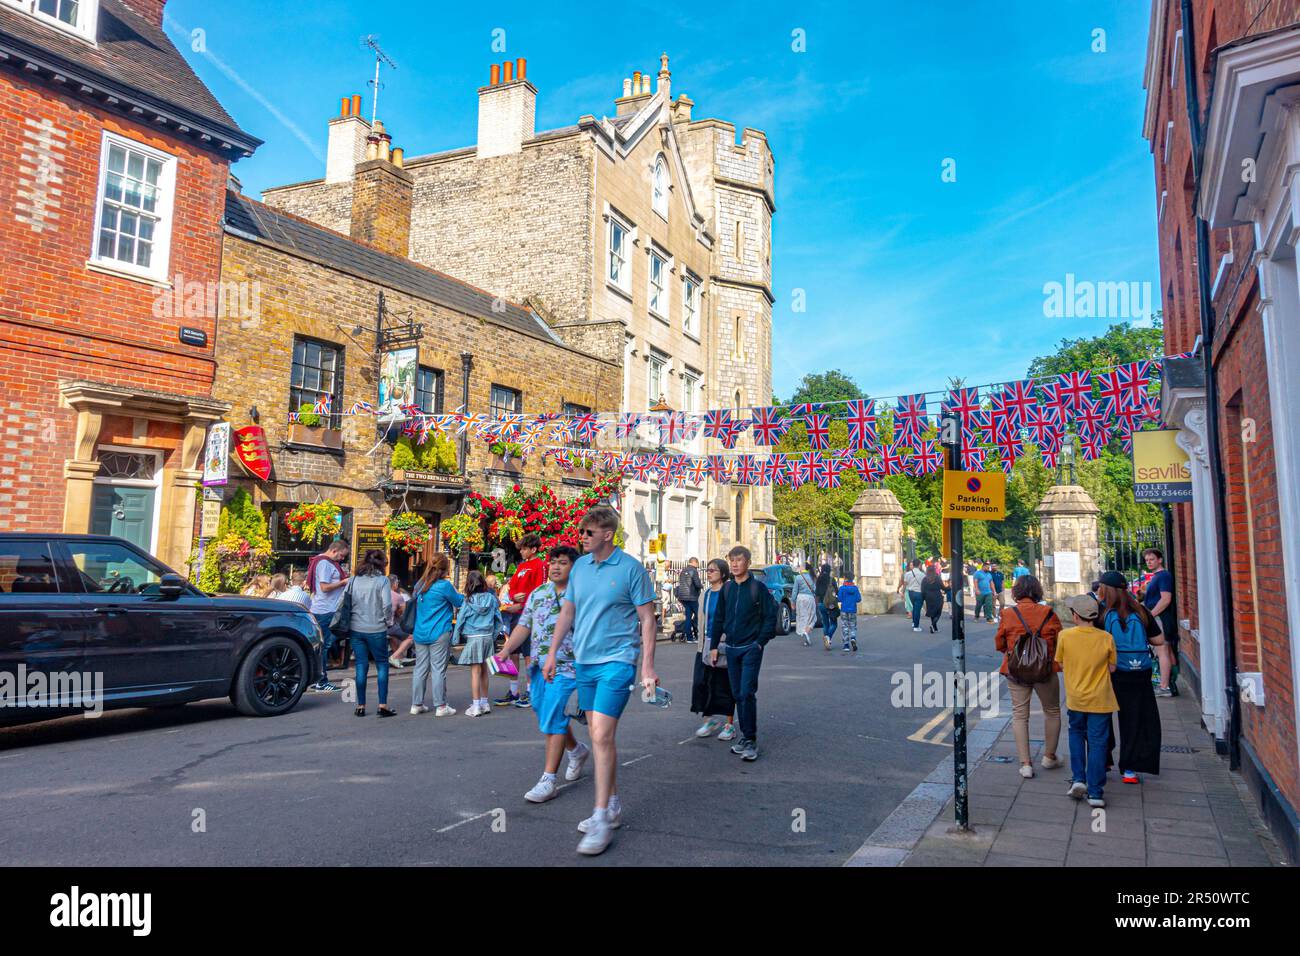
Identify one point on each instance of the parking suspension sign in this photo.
(980, 495)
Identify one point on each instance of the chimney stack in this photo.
(637, 90)
(506, 110)
(347, 141)
(381, 196)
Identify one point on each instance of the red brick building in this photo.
(114, 160)
(1240, 644)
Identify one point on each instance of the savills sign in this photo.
(1161, 472)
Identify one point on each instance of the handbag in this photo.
(341, 622)
(704, 641)
(408, 612)
(1029, 662)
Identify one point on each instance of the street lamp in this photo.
(1067, 460)
(1031, 537)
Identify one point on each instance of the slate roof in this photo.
(132, 59)
(258, 222)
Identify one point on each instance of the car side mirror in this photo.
(171, 586)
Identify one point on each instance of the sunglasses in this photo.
(589, 532)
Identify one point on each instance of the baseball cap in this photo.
(1114, 579)
(1084, 605)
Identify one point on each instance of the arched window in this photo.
(659, 193)
(740, 529)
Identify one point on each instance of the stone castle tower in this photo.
(642, 237)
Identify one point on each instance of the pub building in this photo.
(349, 323)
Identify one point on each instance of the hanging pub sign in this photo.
(397, 371)
(1161, 472)
(216, 454)
(253, 452)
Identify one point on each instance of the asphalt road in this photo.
(320, 786)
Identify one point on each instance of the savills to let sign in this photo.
(1161, 471)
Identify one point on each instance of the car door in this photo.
(41, 627)
(148, 647)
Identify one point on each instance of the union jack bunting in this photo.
(805, 468)
(963, 402)
(827, 473)
(774, 471)
(1151, 409)
(768, 425)
(508, 426)
(361, 407)
(1125, 438)
(697, 469)
(1110, 389)
(861, 418)
(562, 458)
(587, 426)
(868, 467)
(1052, 401)
(1007, 463)
(1073, 386)
(972, 426)
(322, 406)
(719, 424)
(563, 433)
(1134, 379)
(999, 413)
(819, 431)
(1091, 445)
(1090, 416)
(1130, 420)
(909, 417)
(804, 409)
(1050, 456)
(672, 428)
(627, 424)
(746, 470)
(891, 460)
(720, 469)
(972, 459)
(926, 460)
(1010, 445)
(642, 465)
(674, 469)
(1018, 398)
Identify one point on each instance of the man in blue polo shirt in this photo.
(609, 605)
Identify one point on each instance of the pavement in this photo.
(847, 758)
(1195, 813)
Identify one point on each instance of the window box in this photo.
(512, 465)
(321, 437)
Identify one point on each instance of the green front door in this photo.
(124, 511)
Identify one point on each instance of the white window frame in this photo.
(656, 292)
(690, 388)
(691, 306)
(624, 280)
(660, 183)
(160, 262)
(659, 360)
(87, 17)
(688, 522)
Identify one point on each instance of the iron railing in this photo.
(1121, 548)
(818, 545)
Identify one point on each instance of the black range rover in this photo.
(74, 607)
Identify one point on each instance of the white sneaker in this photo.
(1051, 763)
(418, 710)
(485, 708)
(473, 710)
(596, 838)
(542, 791)
(615, 820)
(445, 711)
(395, 661)
(577, 760)
(1096, 802)
(708, 728)
(1026, 771)
(728, 732)
(1078, 790)
(916, 630)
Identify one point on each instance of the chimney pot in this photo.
(636, 82)
(398, 156)
(521, 66)
(627, 86)
(345, 107)
(508, 72)
(356, 104)
(496, 75)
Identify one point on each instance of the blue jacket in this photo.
(479, 615)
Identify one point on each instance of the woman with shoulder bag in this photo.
(1027, 637)
(428, 616)
(805, 603)
(1134, 631)
(367, 609)
(711, 688)
(831, 601)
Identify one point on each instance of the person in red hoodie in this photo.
(529, 576)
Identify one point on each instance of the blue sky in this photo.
(908, 280)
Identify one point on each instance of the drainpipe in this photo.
(466, 363)
(1212, 393)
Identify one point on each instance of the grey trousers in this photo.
(431, 662)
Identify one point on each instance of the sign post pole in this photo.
(961, 807)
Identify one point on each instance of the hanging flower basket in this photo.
(315, 523)
(406, 532)
(462, 533)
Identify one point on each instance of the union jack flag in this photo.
(999, 412)
(768, 425)
(719, 424)
(1111, 390)
(1010, 445)
(1126, 438)
(972, 426)
(819, 431)
(509, 425)
(1050, 456)
(1018, 398)
(927, 459)
(563, 433)
(806, 467)
(322, 406)
(861, 416)
(1093, 444)
(1008, 464)
(972, 459)
(963, 402)
(1151, 409)
(827, 473)
(627, 424)
(804, 409)
(674, 469)
(774, 471)
(361, 407)
(1090, 415)
(673, 427)
(868, 467)
(909, 417)
(1053, 401)
(612, 461)
(1073, 386)
(642, 465)
(746, 470)
(891, 459)
(587, 426)
(697, 469)
(562, 458)
(1134, 379)
(1129, 421)
(720, 469)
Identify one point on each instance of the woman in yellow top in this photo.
(1086, 653)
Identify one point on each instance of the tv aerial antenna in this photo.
(371, 42)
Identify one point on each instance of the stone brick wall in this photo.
(59, 319)
(326, 204)
(302, 297)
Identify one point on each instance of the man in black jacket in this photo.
(689, 587)
(746, 614)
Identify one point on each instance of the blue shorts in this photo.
(549, 699)
(605, 688)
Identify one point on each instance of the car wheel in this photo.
(783, 624)
(271, 678)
